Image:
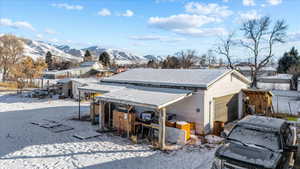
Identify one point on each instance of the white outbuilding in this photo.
(201, 96)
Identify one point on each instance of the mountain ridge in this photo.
(38, 49)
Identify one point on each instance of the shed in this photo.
(214, 92)
(260, 100)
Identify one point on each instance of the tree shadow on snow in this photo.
(18, 98)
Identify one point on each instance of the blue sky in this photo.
(158, 27)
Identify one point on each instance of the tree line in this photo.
(15, 66)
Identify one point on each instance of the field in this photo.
(24, 145)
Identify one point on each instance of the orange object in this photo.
(184, 126)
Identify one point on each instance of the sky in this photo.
(157, 27)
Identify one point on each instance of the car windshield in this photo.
(269, 140)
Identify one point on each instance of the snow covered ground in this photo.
(24, 145)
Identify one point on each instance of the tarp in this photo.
(150, 97)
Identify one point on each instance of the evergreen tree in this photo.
(171, 62)
(104, 59)
(87, 56)
(151, 63)
(49, 60)
(288, 60)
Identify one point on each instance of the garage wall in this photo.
(229, 84)
(190, 109)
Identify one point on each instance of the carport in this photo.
(156, 99)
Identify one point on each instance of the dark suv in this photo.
(258, 142)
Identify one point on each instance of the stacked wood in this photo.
(94, 108)
(123, 122)
(261, 100)
(218, 128)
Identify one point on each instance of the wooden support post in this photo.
(109, 116)
(79, 105)
(93, 113)
(128, 122)
(101, 115)
(162, 128)
(128, 107)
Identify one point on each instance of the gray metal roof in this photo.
(170, 77)
(155, 98)
(101, 87)
(263, 122)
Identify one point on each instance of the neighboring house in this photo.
(277, 82)
(69, 86)
(94, 65)
(265, 71)
(86, 69)
(202, 96)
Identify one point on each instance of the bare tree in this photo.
(187, 58)
(224, 48)
(11, 49)
(260, 39)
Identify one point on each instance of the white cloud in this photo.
(248, 2)
(50, 31)
(211, 9)
(199, 32)
(54, 40)
(67, 6)
(274, 2)
(128, 13)
(146, 38)
(104, 12)
(249, 15)
(225, 1)
(16, 24)
(180, 21)
(157, 38)
(294, 37)
(39, 36)
(191, 24)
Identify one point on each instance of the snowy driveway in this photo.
(23, 145)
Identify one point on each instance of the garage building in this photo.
(210, 94)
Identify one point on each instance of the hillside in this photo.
(38, 49)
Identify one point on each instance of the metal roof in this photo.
(171, 77)
(155, 98)
(263, 122)
(100, 87)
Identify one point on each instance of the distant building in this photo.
(265, 71)
(276, 82)
(86, 69)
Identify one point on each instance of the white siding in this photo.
(75, 90)
(186, 109)
(229, 84)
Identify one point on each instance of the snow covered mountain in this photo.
(119, 56)
(152, 57)
(38, 49)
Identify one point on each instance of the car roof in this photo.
(262, 122)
